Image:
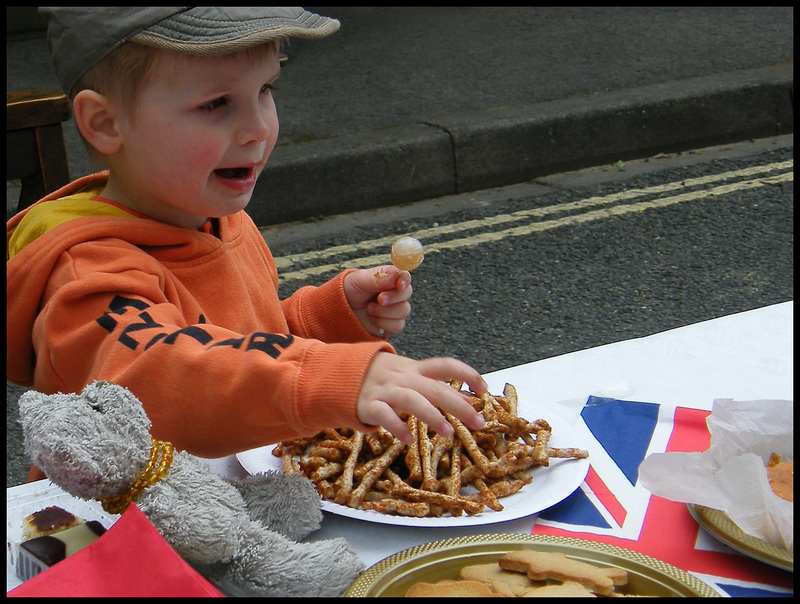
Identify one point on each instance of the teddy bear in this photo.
(242, 534)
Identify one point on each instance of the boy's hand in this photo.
(379, 298)
(394, 383)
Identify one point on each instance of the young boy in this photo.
(151, 275)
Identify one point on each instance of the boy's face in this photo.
(198, 138)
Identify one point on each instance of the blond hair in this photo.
(118, 76)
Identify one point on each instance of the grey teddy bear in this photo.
(241, 534)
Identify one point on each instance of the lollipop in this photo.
(407, 253)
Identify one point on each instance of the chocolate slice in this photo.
(40, 553)
(48, 521)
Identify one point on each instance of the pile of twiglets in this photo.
(376, 471)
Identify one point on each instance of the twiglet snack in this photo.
(407, 253)
(378, 472)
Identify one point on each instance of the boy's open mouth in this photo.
(239, 179)
(233, 173)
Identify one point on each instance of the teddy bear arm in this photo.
(269, 564)
(289, 505)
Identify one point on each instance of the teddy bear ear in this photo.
(97, 396)
(107, 397)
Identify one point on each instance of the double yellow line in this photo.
(579, 212)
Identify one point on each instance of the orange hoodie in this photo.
(190, 322)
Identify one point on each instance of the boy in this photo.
(152, 276)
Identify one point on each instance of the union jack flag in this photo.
(611, 507)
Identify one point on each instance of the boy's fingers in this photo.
(394, 296)
(430, 399)
(394, 311)
(446, 369)
(423, 392)
(450, 401)
(381, 414)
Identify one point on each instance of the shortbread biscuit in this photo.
(568, 589)
(555, 565)
(449, 588)
(504, 582)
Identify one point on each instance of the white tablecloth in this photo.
(745, 356)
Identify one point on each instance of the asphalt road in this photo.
(409, 103)
(629, 260)
(566, 262)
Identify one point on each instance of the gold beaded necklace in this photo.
(154, 471)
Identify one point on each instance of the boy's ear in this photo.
(95, 118)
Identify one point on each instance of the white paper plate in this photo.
(550, 485)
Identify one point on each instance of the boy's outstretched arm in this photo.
(394, 383)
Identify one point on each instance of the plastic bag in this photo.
(731, 475)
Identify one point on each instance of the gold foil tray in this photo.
(438, 560)
(719, 524)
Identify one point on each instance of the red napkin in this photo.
(130, 559)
